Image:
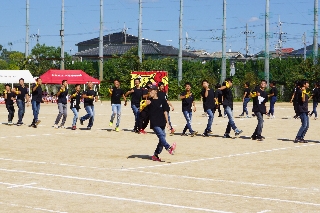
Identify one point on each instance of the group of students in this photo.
(150, 104)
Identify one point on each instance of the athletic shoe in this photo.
(225, 116)
(81, 121)
(238, 132)
(155, 158)
(248, 116)
(172, 131)
(253, 137)
(303, 141)
(142, 131)
(19, 124)
(110, 124)
(208, 131)
(220, 116)
(226, 136)
(74, 128)
(56, 126)
(297, 140)
(62, 127)
(38, 121)
(172, 148)
(89, 128)
(205, 134)
(137, 131)
(10, 123)
(184, 134)
(33, 125)
(117, 129)
(241, 115)
(194, 133)
(315, 118)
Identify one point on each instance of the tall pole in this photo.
(180, 43)
(247, 46)
(101, 43)
(140, 32)
(223, 63)
(27, 30)
(62, 36)
(304, 46)
(315, 33)
(266, 52)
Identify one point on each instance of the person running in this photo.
(143, 111)
(187, 104)
(302, 108)
(9, 97)
(259, 97)
(273, 94)
(315, 99)
(36, 101)
(22, 96)
(228, 108)
(75, 99)
(162, 94)
(218, 99)
(62, 105)
(246, 99)
(136, 95)
(158, 112)
(116, 94)
(209, 106)
(89, 97)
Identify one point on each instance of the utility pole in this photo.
(101, 43)
(140, 32)
(27, 30)
(315, 33)
(124, 30)
(180, 44)
(280, 39)
(247, 33)
(304, 46)
(62, 36)
(223, 63)
(266, 52)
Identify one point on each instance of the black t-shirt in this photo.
(75, 101)
(62, 98)
(136, 96)
(302, 105)
(156, 115)
(187, 102)
(247, 91)
(89, 101)
(227, 97)
(259, 102)
(37, 94)
(274, 91)
(23, 91)
(10, 95)
(218, 94)
(208, 102)
(117, 93)
(162, 95)
(316, 95)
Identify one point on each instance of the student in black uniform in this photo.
(62, 105)
(218, 99)
(162, 94)
(273, 94)
(294, 99)
(75, 104)
(22, 97)
(187, 103)
(246, 99)
(260, 97)
(36, 101)
(144, 115)
(302, 108)
(158, 112)
(116, 94)
(316, 99)
(9, 97)
(89, 97)
(228, 108)
(209, 106)
(136, 95)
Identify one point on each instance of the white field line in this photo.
(153, 186)
(30, 207)
(115, 198)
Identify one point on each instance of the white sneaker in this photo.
(62, 127)
(315, 118)
(56, 126)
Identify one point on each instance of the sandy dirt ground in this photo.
(60, 170)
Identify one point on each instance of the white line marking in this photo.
(30, 207)
(46, 134)
(16, 186)
(116, 198)
(153, 186)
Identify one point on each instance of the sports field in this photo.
(100, 170)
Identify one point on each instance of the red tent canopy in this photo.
(72, 76)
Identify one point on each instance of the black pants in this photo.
(10, 109)
(143, 119)
(218, 108)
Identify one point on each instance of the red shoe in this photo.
(142, 131)
(172, 131)
(74, 128)
(155, 158)
(172, 148)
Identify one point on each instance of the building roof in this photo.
(147, 49)
(300, 52)
(116, 38)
